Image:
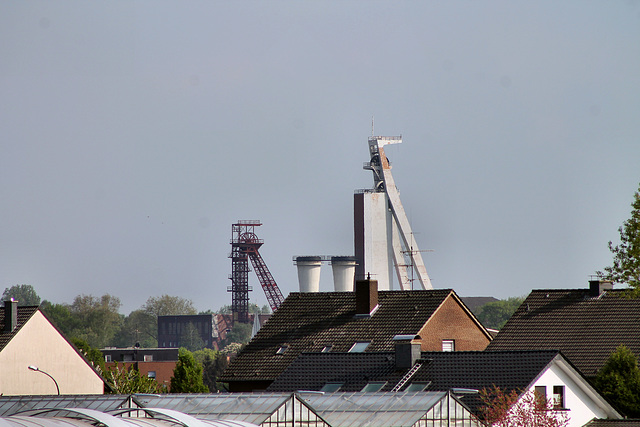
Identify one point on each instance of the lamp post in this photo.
(36, 369)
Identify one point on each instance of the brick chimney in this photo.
(10, 315)
(597, 287)
(407, 350)
(366, 296)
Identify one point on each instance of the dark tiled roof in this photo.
(586, 329)
(307, 322)
(509, 370)
(24, 314)
(311, 371)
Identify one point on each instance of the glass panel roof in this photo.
(10, 405)
(250, 407)
(373, 409)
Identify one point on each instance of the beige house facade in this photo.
(28, 338)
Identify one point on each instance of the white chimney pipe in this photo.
(344, 270)
(309, 273)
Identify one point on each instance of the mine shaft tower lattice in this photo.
(244, 247)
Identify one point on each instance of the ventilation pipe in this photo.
(309, 273)
(344, 270)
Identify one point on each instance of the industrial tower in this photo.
(383, 238)
(244, 247)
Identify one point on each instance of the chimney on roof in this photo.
(366, 296)
(597, 287)
(407, 350)
(10, 315)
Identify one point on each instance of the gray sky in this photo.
(134, 133)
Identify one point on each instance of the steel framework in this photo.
(244, 248)
(404, 245)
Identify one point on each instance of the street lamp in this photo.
(36, 369)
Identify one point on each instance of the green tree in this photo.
(168, 306)
(626, 255)
(240, 333)
(495, 314)
(138, 327)
(190, 338)
(187, 375)
(98, 319)
(61, 316)
(619, 381)
(125, 380)
(213, 364)
(92, 354)
(24, 294)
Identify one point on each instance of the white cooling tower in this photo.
(344, 270)
(309, 273)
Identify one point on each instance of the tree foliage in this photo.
(125, 380)
(92, 354)
(626, 255)
(98, 319)
(240, 333)
(26, 295)
(213, 364)
(138, 327)
(619, 381)
(187, 375)
(501, 408)
(495, 314)
(166, 305)
(190, 338)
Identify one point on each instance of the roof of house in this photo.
(312, 321)
(24, 314)
(443, 371)
(586, 328)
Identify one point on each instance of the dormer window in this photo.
(282, 349)
(359, 347)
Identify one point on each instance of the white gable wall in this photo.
(39, 343)
(581, 400)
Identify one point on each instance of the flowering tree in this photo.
(509, 409)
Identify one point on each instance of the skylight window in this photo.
(374, 386)
(331, 387)
(327, 348)
(359, 347)
(282, 349)
(418, 386)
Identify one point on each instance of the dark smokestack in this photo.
(10, 315)
(407, 350)
(366, 296)
(597, 287)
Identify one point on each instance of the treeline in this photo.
(92, 323)
(98, 321)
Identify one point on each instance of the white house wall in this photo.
(582, 407)
(39, 343)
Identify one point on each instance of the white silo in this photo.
(344, 270)
(309, 273)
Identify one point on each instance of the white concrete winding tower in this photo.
(384, 242)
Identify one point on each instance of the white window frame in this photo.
(448, 345)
